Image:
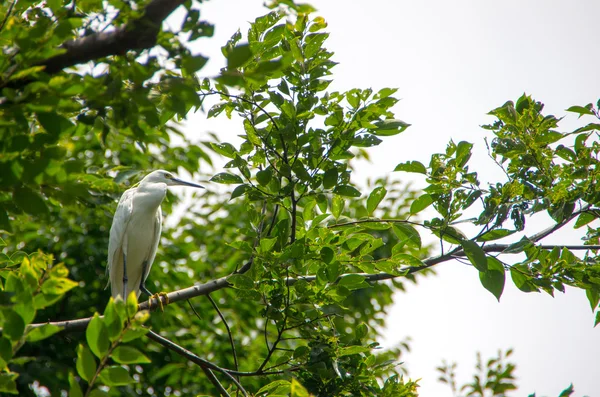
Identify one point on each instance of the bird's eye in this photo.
(168, 176)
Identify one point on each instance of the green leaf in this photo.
(330, 178)
(475, 254)
(240, 190)
(337, 206)
(389, 127)
(593, 297)
(375, 198)
(86, 364)
(8, 384)
(411, 166)
(408, 259)
(241, 281)
(581, 110)
(14, 325)
(351, 280)
(6, 349)
(74, 388)
(58, 286)
(264, 177)
(267, 244)
(421, 203)
(327, 254)
(129, 355)
(463, 153)
(584, 219)
(517, 247)
(131, 307)
(522, 281)
(55, 124)
(134, 333)
(43, 332)
(407, 234)
(224, 149)
(297, 390)
(194, 63)
(275, 388)
(29, 201)
(115, 376)
(567, 392)
(494, 277)
(350, 350)
(495, 234)
(346, 190)
(226, 178)
(97, 336)
(238, 56)
(112, 319)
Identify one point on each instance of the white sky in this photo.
(453, 61)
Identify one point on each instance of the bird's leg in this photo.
(150, 294)
(124, 277)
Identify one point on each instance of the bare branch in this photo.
(231, 342)
(220, 283)
(204, 364)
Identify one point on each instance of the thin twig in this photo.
(8, 12)
(235, 360)
(194, 358)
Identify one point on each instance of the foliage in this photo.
(306, 251)
(494, 379)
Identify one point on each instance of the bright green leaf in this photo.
(337, 206)
(74, 388)
(86, 364)
(115, 376)
(411, 166)
(43, 332)
(97, 336)
(375, 198)
(421, 203)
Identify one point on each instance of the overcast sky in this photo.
(453, 61)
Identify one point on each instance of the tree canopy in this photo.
(288, 275)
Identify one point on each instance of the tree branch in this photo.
(137, 34)
(207, 366)
(220, 283)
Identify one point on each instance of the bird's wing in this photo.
(156, 239)
(119, 225)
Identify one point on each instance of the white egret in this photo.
(135, 233)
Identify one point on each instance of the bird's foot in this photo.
(159, 299)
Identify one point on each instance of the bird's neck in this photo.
(150, 196)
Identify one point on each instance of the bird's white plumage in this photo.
(135, 231)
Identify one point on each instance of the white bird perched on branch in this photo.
(135, 233)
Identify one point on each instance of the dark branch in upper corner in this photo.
(137, 34)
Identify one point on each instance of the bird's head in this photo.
(166, 177)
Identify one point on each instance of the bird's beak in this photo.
(181, 182)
